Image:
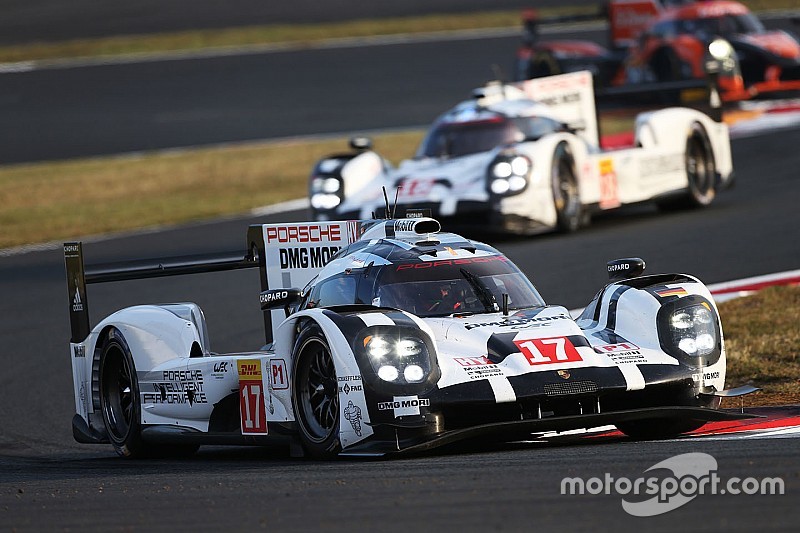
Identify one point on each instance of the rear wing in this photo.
(287, 255)
(571, 97)
(627, 19)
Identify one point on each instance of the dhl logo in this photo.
(249, 369)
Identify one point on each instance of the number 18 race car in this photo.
(403, 338)
(527, 158)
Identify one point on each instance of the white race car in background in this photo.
(526, 158)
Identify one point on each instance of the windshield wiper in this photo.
(481, 290)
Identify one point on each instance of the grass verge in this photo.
(763, 345)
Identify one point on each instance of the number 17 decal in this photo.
(251, 397)
(548, 351)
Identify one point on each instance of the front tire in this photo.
(569, 210)
(316, 394)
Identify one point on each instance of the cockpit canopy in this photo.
(459, 135)
(430, 288)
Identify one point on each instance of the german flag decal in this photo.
(680, 291)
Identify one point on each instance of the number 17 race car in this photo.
(402, 338)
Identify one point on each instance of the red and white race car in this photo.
(655, 41)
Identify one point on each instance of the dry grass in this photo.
(63, 200)
(762, 339)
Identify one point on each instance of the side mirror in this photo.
(279, 298)
(620, 269)
(360, 144)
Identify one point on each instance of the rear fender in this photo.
(658, 128)
(157, 334)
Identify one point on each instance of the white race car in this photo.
(526, 158)
(403, 338)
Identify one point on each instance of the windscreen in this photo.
(460, 286)
(456, 139)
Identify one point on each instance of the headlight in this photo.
(397, 356)
(720, 49)
(508, 174)
(693, 330)
(325, 201)
(325, 185)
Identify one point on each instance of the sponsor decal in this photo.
(619, 267)
(304, 234)
(302, 258)
(450, 262)
(177, 387)
(479, 367)
(609, 189)
(404, 405)
(663, 164)
(277, 374)
(352, 413)
(252, 414)
(77, 302)
(473, 361)
(548, 351)
(616, 348)
(519, 322)
(219, 369)
(79, 350)
(351, 384)
(563, 374)
(664, 293)
(705, 376)
(414, 187)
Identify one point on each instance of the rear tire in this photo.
(569, 210)
(316, 394)
(120, 403)
(119, 397)
(700, 171)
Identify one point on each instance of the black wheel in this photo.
(569, 211)
(700, 171)
(119, 403)
(316, 394)
(119, 397)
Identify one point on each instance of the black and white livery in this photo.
(527, 158)
(390, 336)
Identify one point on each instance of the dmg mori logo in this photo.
(404, 404)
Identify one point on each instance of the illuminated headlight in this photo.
(398, 357)
(502, 169)
(325, 201)
(508, 174)
(720, 49)
(693, 330)
(500, 186)
(520, 166)
(325, 185)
